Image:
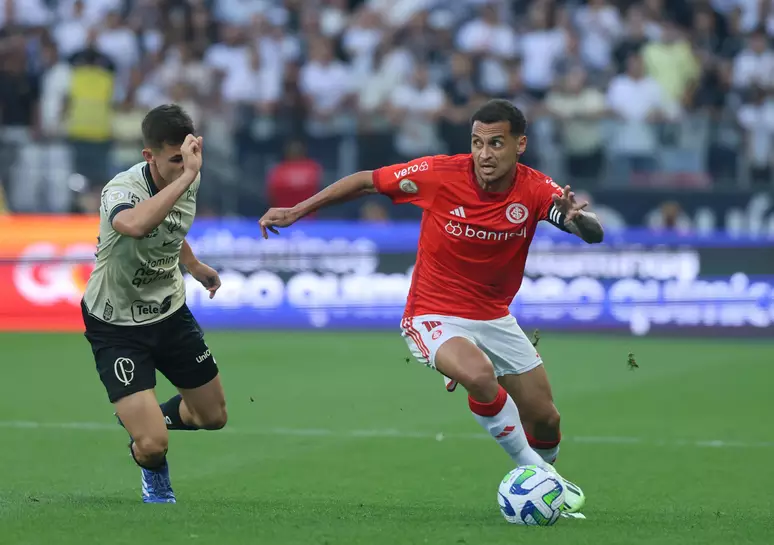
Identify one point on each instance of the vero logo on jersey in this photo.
(412, 169)
(456, 229)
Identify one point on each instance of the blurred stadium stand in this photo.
(668, 98)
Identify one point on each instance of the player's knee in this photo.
(548, 421)
(151, 446)
(481, 383)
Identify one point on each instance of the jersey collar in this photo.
(146, 172)
(485, 195)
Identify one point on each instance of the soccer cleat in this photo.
(574, 498)
(450, 384)
(156, 486)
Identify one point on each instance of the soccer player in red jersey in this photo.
(480, 212)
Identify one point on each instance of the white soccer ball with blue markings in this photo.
(531, 496)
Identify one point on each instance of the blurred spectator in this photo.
(19, 115)
(670, 218)
(609, 217)
(373, 212)
(487, 35)
(636, 35)
(90, 110)
(416, 106)
(639, 103)
(600, 25)
(295, 179)
(70, 32)
(334, 17)
(671, 63)
(578, 109)
(327, 86)
(462, 94)
(541, 47)
(754, 66)
(362, 38)
(757, 118)
(25, 13)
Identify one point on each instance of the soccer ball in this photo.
(531, 496)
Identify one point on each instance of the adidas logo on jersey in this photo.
(459, 212)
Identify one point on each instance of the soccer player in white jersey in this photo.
(134, 307)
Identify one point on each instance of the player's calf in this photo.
(544, 434)
(492, 407)
(532, 392)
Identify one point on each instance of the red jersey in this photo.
(472, 244)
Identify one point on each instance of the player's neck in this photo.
(158, 181)
(501, 185)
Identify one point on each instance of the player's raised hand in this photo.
(192, 153)
(276, 217)
(567, 205)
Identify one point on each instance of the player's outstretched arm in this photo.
(587, 226)
(146, 215)
(566, 213)
(348, 188)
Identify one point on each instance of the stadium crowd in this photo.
(292, 93)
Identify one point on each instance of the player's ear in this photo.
(522, 144)
(147, 154)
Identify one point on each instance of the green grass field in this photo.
(334, 439)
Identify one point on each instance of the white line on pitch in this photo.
(396, 434)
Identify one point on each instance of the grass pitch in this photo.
(334, 439)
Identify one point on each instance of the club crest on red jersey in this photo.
(408, 186)
(517, 213)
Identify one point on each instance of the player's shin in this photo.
(172, 416)
(500, 418)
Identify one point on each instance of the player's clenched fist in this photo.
(276, 217)
(192, 153)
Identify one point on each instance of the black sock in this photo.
(145, 466)
(171, 410)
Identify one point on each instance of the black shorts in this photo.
(128, 356)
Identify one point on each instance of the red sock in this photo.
(548, 450)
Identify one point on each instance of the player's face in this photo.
(168, 161)
(495, 150)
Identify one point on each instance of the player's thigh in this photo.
(511, 352)
(142, 417)
(448, 345)
(124, 363)
(188, 363)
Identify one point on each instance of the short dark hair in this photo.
(498, 110)
(166, 124)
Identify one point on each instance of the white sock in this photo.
(501, 419)
(548, 454)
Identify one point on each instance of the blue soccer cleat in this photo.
(156, 486)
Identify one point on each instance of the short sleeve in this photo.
(415, 182)
(116, 197)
